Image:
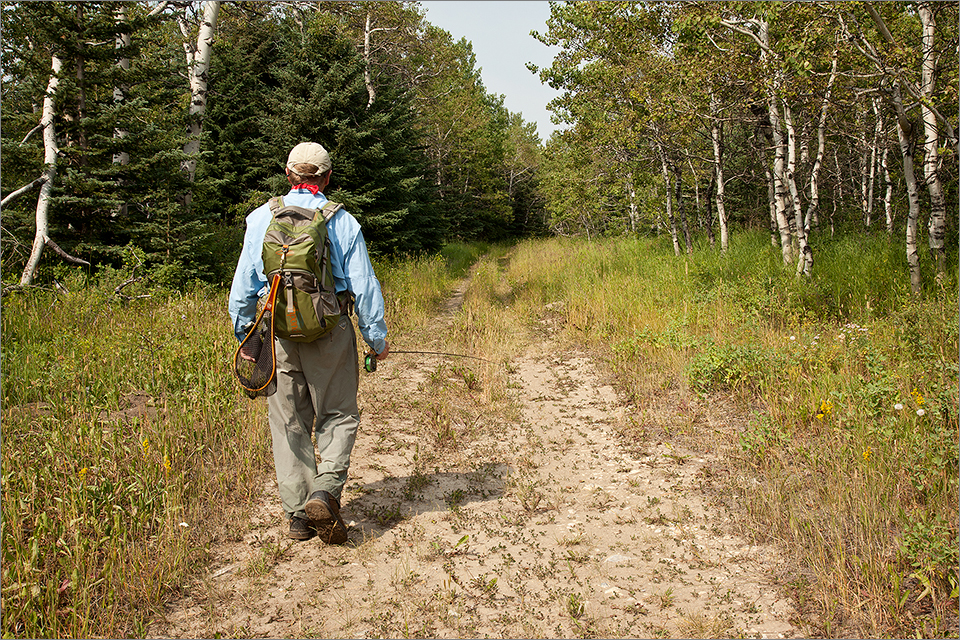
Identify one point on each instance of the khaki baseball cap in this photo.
(309, 153)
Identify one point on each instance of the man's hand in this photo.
(245, 355)
(386, 351)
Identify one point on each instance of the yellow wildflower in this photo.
(866, 453)
(917, 397)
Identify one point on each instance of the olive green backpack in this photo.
(296, 255)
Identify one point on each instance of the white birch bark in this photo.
(838, 192)
(198, 66)
(708, 203)
(811, 217)
(805, 252)
(905, 135)
(681, 209)
(368, 31)
(888, 194)
(119, 92)
(874, 158)
(50, 173)
(864, 162)
(665, 169)
(632, 194)
(759, 30)
(779, 161)
(772, 204)
(121, 158)
(367, 78)
(779, 179)
(938, 211)
(10, 197)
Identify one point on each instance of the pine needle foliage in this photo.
(291, 85)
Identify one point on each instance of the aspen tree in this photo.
(902, 80)
(931, 143)
(810, 217)
(716, 138)
(50, 171)
(198, 66)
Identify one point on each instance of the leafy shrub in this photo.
(729, 367)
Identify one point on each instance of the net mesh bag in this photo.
(255, 359)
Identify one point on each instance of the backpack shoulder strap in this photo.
(329, 210)
(276, 204)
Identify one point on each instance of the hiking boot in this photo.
(324, 513)
(300, 529)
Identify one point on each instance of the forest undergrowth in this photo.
(124, 430)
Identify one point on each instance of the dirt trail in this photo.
(546, 524)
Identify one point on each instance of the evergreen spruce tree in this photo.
(81, 37)
(103, 210)
(239, 158)
(292, 85)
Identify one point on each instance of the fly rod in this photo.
(370, 360)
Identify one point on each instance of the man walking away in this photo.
(317, 381)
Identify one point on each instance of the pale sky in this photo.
(500, 34)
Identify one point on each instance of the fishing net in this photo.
(255, 360)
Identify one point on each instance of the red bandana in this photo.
(312, 188)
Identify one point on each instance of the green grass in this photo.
(855, 450)
(122, 422)
(414, 287)
(128, 447)
(125, 439)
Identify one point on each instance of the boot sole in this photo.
(329, 527)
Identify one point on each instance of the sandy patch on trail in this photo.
(547, 524)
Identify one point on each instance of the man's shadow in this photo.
(373, 509)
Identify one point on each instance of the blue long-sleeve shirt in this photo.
(352, 270)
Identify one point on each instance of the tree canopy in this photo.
(808, 119)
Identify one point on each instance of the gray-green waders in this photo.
(319, 380)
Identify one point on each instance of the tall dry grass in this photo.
(854, 454)
(127, 451)
(128, 448)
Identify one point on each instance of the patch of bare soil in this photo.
(470, 522)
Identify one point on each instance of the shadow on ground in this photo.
(371, 509)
